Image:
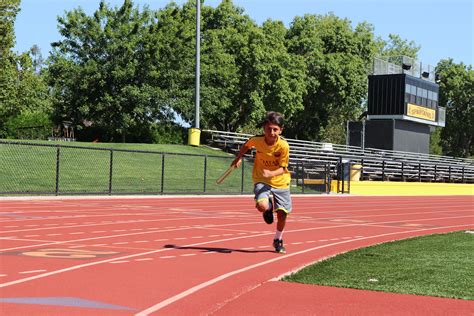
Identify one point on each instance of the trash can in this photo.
(194, 136)
(344, 169)
(355, 172)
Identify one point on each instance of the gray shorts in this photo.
(281, 197)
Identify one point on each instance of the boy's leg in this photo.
(263, 201)
(283, 207)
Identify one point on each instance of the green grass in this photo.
(435, 265)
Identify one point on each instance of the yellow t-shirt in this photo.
(270, 158)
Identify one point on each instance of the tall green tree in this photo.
(24, 98)
(337, 59)
(102, 72)
(457, 95)
(8, 11)
(396, 46)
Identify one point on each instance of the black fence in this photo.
(46, 169)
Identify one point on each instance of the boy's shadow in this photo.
(212, 249)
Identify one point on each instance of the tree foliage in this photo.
(24, 98)
(457, 95)
(102, 71)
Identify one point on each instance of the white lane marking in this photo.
(167, 257)
(188, 255)
(144, 259)
(123, 261)
(33, 271)
(198, 287)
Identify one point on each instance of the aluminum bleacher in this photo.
(374, 164)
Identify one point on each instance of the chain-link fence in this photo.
(28, 168)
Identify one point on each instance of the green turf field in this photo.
(435, 265)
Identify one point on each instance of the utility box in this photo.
(396, 135)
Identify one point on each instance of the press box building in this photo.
(402, 108)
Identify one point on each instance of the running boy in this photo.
(270, 174)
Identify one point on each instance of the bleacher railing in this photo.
(376, 164)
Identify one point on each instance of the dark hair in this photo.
(274, 118)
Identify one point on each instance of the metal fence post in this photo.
(242, 177)
(403, 171)
(302, 178)
(58, 151)
(205, 172)
(110, 170)
(383, 170)
(162, 173)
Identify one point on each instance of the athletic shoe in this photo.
(278, 244)
(268, 216)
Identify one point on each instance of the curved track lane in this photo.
(195, 255)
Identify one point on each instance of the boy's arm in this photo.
(273, 173)
(238, 160)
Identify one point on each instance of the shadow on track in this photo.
(213, 249)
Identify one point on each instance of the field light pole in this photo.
(194, 134)
(198, 59)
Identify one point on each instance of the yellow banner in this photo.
(421, 112)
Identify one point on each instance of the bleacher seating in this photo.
(376, 164)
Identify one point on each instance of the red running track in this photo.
(205, 255)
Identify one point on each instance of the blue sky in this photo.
(443, 28)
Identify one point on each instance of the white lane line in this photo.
(167, 257)
(198, 287)
(33, 271)
(144, 259)
(188, 255)
(123, 261)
